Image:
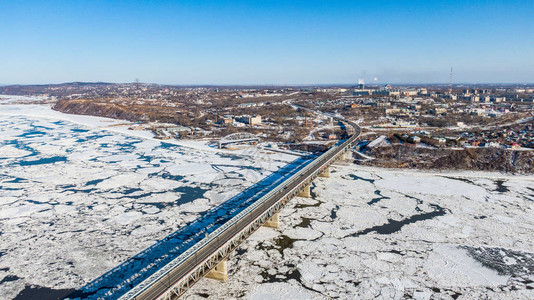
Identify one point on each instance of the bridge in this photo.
(169, 268)
(238, 138)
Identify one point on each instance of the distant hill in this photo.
(35, 89)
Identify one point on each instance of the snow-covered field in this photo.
(370, 233)
(10, 99)
(78, 197)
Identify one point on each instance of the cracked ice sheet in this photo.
(75, 201)
(421, 260)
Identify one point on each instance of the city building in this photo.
(250, 120)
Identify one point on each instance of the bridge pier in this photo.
(274, 221)
(326, 173)
(220, 272)
(305, 192)
(347, 155)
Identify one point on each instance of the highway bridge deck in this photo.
(121, 279)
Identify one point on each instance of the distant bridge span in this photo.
(235, 138)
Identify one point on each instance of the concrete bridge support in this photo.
(273, 222)
(306, 193)
(220, 272)
(326, 173)
(348, 155)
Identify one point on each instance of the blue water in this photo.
(43, 161)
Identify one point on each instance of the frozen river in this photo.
(78, 196)
(371, 233)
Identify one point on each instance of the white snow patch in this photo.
(449, 265)
(280, 291)
(127, 218)
(12, 152)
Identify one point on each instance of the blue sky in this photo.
(266, 42)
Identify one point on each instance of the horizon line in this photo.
(268, 84)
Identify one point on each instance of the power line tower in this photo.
(137, 83)
(450, 83)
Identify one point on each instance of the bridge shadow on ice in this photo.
(133, 271)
